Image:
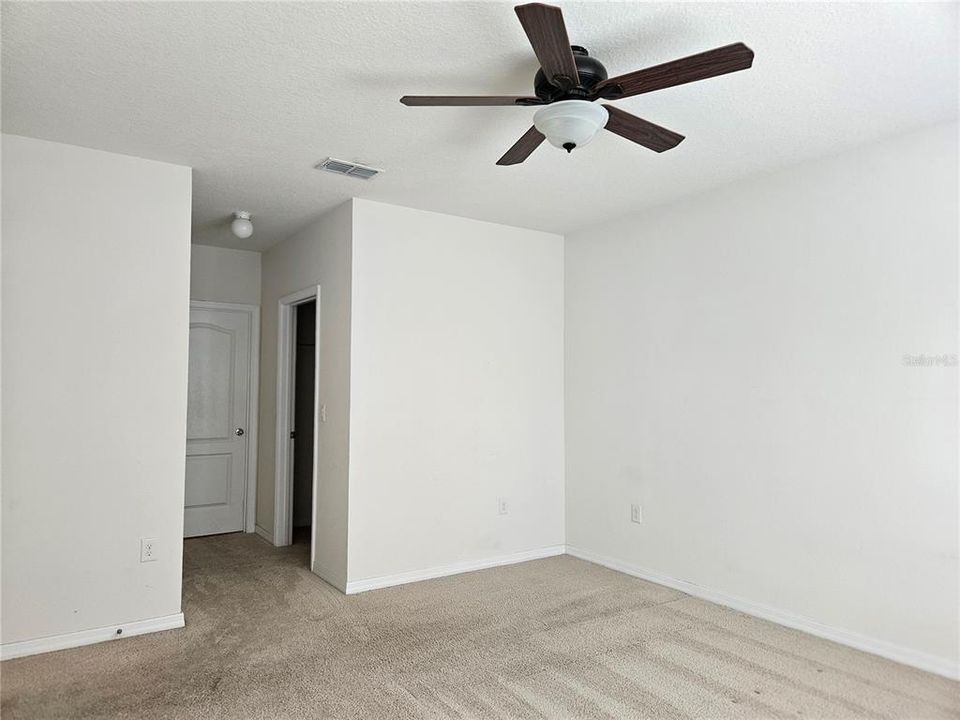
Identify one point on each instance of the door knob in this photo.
(238, 432)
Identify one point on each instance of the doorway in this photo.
(302, 435)
(298, 366)
(220, 478)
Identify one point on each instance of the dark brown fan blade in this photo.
(720, 61)
(641, 131)
(522, 148)
(467, 100)
(544, 27)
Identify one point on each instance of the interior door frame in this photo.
(253, 402)
(286, 381)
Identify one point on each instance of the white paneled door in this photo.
(218, 412)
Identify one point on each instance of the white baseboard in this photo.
(268, 536)
(8, 651)
(358, 586)
(898, 653)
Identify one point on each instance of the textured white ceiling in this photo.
(252, 95)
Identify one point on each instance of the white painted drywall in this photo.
(456, 390)
(735, 363)
(224, 275)
(94, 410)
(317, 255)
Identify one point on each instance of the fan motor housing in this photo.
(590, 70)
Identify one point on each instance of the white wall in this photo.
(318, 255)
(456, 390)
(734, 362)
(224, 275)
(94, 411)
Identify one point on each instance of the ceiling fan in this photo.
(569, 81)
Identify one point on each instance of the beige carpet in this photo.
(556, 638)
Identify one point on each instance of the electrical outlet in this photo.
(502, 506)
(636, 513)
(323, 413)
(148, 549)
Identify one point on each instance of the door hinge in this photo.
(293, 434)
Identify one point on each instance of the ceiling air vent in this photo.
(342, 167)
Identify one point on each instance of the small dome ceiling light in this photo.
(241, 225)
(570, 124)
